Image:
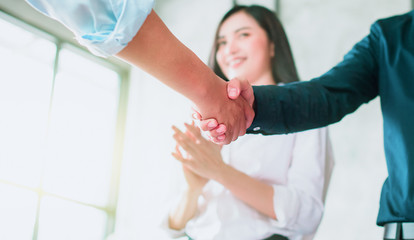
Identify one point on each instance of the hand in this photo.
(195, 182)
(235, 88)
(234, 115)
(205, 159)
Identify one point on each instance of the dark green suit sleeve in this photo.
(324, 100)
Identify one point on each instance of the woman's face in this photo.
(243, 49)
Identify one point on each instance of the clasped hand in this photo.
(203, 157)
(217, 131)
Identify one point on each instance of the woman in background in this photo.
(259, 187)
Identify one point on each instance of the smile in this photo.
(235, 62)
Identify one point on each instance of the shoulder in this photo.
(397, 23)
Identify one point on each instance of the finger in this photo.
(233, 88)
(196, 115)
(242, 124)
(187, 169)
(195, 131)
(177, 150)
(189, 166)
(180, 137)
(236, 135)
(208, 124)
(190, 135)
(221, 138)
(211, 138)
(220, 130)
(218, 139)
(229, 135)
(184, 161)
(238, 87)
(242, 130)
(175, 129)
(179, 157)
(227, 140)
(188, 146)
(246, 91)
(184, 142)
(249, 115)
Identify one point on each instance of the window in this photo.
(61, 126)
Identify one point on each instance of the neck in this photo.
(265, 79)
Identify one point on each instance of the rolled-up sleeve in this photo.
(164, 224)
(299, 205)
(105, 27)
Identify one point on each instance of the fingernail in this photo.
(220, 129)
(221, 138)
(232, 92)
(211, 124)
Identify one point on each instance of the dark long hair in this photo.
(282, 64)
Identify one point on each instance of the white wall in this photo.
(320, 32)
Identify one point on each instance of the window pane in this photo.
(81, 142)
(17, 212)
(25, 88)
(63, 220)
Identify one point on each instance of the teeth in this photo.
(234, 62)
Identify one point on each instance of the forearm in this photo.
(297, 209)
(176, 65)
(253, 192)
(185, 210)
(303, 106)
(324, 100)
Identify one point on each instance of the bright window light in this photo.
(60, 124)
(25, 89)
(61, 220)
(17, 212)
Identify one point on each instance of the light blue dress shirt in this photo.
(105, 27)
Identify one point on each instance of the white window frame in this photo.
(123, 71)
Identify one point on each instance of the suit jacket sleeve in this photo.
(324, 100)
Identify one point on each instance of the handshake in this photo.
(232, 117)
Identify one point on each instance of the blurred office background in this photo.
(85, 142)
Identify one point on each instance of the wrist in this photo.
(222, 172)
(210, 96)
(193, 192)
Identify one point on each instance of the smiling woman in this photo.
(257, 35)
(259, 187)
(245, 50)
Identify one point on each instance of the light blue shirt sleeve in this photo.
(105, 27)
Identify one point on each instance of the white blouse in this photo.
(105, 27)
(298, 166)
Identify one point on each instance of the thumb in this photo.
(233, 88)
(247, 92)
(196, 114)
